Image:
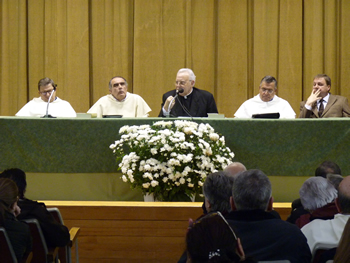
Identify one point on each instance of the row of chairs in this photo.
(41, 253)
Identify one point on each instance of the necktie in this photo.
(320, 109)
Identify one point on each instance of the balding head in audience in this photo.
(234, 168)
(343, 200)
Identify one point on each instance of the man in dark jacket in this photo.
(56, 234)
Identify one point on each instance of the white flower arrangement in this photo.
(170, 159)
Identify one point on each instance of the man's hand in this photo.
(167, 102)
(313, 97)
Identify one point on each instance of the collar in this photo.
(325, 99)
(185, 97)
(250, 215)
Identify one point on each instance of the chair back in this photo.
(64, 253)
(40, 251)
(6, 250)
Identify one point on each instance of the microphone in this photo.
(180, 90)
(47, 115)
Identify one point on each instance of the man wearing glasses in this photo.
(187, 100)
(120, 102)
(266, 102)
(37, 106)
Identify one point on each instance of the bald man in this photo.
(327, 233)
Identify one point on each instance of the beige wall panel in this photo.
(344, 54)
(313, 43)
(232, 56)
(77, 57)
(13, 76)
(331, 43)
(36, 47)
(111, 44)
(203, 44)
(266, 44)
(160, 32)
(290, 52)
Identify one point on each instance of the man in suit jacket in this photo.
(190, 102)
(322, 104)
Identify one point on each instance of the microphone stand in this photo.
(47, 115)
(171, 102)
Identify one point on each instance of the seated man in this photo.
(264, 237)
(37, 106)
(120, 101)
(317, 196)
(266, 102)
(322, 104)
(187, 100)
(327, 233)
(56, 234)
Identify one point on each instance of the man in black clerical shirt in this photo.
(190, 102)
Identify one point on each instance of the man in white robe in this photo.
(37, 106)
(120, 102)
(266, 102)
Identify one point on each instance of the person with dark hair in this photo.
(266, 102)
(18, 232)
(264, 237)
(327, 233)
(37, 107)
(321, 103)
(211, 239)
(56, 234)
(327, 167)
(120, 102)
(186, 99)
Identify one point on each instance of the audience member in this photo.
(217, 189)
(120, 101)
(211, 239)
(18, 232)
(234, 168)
(335, 180)
(327, 167)
(321, 103)
(187, 100)
(327, 233)
(56, 234)
(322, 170)
(342, 254)
(317, 196)
(266, 102)
(264, 237)
(37, 107)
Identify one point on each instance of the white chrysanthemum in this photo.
(154, 183)
(124, 178)
(214, 136)
(182, 181)
(190, 185)
(146, 185)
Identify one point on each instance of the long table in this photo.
(81, 146)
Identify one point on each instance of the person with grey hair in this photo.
(326, 234)
(264, 237)
(120, 102)
(187, 100)
(37, 107)
(217, 190)
(321, 103)
(317, 196)
(266, 102)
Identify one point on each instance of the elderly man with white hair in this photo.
(187, 100)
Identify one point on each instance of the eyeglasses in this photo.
(46, 92)
(181, 83)
(121, 84)
(269, 91)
